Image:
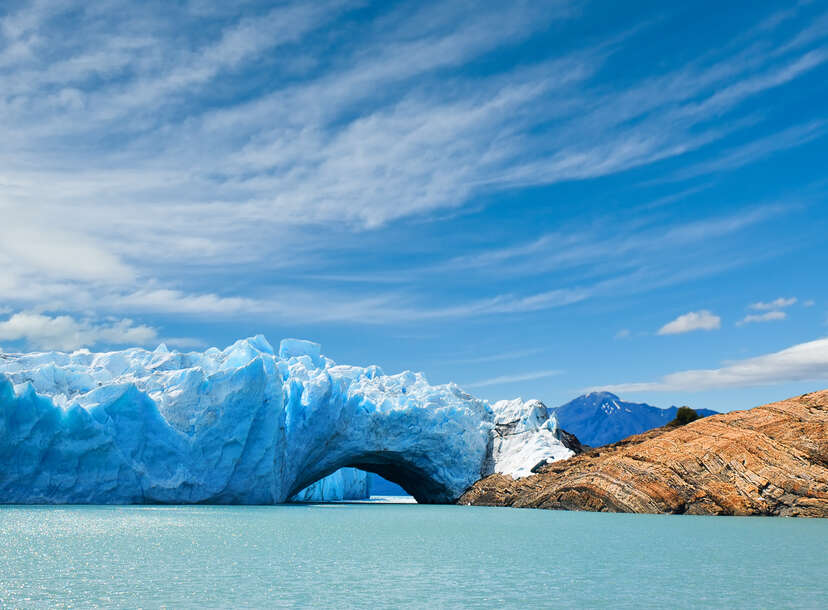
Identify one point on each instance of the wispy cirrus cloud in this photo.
(801, 362)
(28, 245)
(66, 333)
(503, 379)
(768, 316)
(628, 243)
(779, 303)
(771, 311)
(755, 150)
(161, 154)
(500, 356)
(290, 304)
(689, 322)
(624, 254)
(420, 148)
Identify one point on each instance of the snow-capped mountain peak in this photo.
(599, 418)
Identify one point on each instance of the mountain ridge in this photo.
(601, 418)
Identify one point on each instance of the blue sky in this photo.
(533, 200)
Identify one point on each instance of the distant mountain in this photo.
(600, 418)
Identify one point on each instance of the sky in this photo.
(529, 199)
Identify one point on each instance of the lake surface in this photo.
(381, 555)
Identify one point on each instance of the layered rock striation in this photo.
(770, 460)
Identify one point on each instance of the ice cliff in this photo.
(246, 425)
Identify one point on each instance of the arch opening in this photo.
(391, 466)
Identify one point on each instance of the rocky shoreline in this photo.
(770, 460)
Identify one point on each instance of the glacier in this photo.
(344, 484)
(248, 425)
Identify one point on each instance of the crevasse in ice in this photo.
(248, 425)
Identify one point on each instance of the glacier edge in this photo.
(246, 425)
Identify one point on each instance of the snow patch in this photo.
(525, 437)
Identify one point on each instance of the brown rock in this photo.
(771, 460)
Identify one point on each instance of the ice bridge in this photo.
(245, 425)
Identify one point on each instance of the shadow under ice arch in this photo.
(395, 467)
(245, 425)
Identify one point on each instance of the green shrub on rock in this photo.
(684, 415)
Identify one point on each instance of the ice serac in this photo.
(525, 438)
(247, 424)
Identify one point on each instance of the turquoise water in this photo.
(346, 555)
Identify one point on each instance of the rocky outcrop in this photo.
(770, 460)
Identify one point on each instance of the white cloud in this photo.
(31, 243)
(164, 300)
(127, 161)
(809, 303)
(499, 356)
(66, 333)
(755, 150)
(288, 303)
(779, 303)
(762, 317)
(514, 378)
(802, 362)
(634, 242)
(633, 258)
(624, 333)
(301, 150)
(695, 320)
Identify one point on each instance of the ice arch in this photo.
(245, 425)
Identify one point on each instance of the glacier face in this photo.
(246, 425)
